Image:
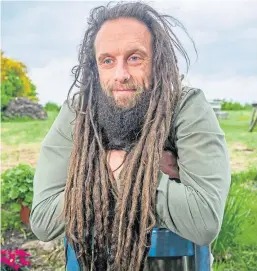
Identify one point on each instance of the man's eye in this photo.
(107, 61)
(134, 58)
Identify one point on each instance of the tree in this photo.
(15, 82)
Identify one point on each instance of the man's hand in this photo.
(168, 165)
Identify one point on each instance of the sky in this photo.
(45, 36)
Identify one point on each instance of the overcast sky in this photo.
(45, 35)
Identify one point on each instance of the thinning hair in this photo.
(110, 228)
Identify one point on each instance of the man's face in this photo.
(123, 49)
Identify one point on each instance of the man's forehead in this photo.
(122, 31)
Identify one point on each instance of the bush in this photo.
(16, 189)
(229, 105)
(52, 107)
(15, 81)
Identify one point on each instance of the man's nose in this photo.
(121, 73)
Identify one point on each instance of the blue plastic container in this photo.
(165, 244)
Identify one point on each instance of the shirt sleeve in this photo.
(194, 208)
(49, 183)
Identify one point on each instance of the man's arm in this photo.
(194, 208)
(50, 178)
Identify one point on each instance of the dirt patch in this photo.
(241, 157)
(13, 239)
(239, 147)
(11, 156)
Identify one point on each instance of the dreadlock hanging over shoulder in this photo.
(110, 228)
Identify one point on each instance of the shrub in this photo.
(229, 105)
(15, 81)
(16, 189)
(52, 107)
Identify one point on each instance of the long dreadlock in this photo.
(110, 228)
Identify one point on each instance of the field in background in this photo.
(21, 140)
(242, 144)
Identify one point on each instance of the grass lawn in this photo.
(237, 241)
(25, 132)
(21, 140)
(242, 144)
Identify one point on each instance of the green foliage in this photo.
(230, 105)
(234, 247)
(5, 267)
(242, 259)
(52, 107)
(15, 81)
(16, 189)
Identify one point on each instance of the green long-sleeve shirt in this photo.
(193, 208)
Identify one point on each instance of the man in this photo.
(108, 161)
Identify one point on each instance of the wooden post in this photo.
(253, 121)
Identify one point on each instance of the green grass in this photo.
(236, 246)
(235, 249)
(24, 132)
(236, 128)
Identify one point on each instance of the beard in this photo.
(121, 127)
(126, 101)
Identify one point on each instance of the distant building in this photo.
(216, 106)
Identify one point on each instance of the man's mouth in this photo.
(124, 90)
